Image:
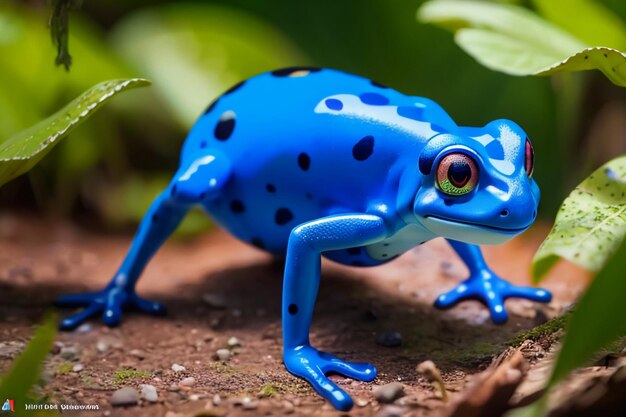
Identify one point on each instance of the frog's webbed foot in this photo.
(492, 291)
(313, 365)
(110, 302)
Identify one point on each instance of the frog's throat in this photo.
(469, 232)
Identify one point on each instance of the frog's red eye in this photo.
(457, 174)
(529, 159)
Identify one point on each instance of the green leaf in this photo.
(590, 224)
(610, 61)
(598, 318)
(25, 371)
(590, 21)
(194, 52)
(507, 23)
(21, 152)
(515, 41)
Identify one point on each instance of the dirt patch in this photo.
(40, 260)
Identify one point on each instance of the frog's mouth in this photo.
(469, 232)
(497, 229)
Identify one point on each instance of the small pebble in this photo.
(178, 368)
(194, 397)
(56, 348)
(84, 328)
(102, 346)
(362, 402)
(124, 396)
(189, 381)
(139, 354)
(223, 354)
(389, 339)
(388, 393)
(149, 393)
(288, 407)
(69, 353)
(390, 411)
(233, 342)
(216, 399)
(78, 367)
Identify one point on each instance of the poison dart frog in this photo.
(307, 162)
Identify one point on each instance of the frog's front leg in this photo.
(194, 183)
(485, 286)
(302, 276)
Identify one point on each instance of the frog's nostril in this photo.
(504, 213)
(534, 214)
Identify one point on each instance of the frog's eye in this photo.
(529, 159)
(457, 174)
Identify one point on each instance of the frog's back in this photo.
(304, 143)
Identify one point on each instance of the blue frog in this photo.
(304, 162)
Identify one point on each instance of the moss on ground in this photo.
(63, 368)
(122, 375)
(542, 331)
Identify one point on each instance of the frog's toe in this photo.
(448, 299)
(311, 365)
(148, 306)
(71, 322)
(360, 371)
(534, 294)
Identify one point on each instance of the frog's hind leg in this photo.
(194, 183)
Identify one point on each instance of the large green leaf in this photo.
(21, 152)
(598, 318)
(515, 41)
(588, 20)
(194, 52)
(591, 222)
(25, 371)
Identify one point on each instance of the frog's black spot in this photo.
(293, 309)
(270, 188)
(155, 218)
(495, 150)
(203, 144)
(286, 72)
(411, 112)
(211, 106)
(202, 196)
(385, 244)
(258, 242)
(357, 263)
(309, 196)
(174, 189)
(448, 201)
(234, 87)
(374, 99)
(237, 207)
(363, 148)
(334, 104)
(225, 125)
(354, 251)
(384, 255)
(304, 161)
(379, 85)
(283, 216)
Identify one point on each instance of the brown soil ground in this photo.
(40, 260)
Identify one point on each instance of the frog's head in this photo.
(477, 184)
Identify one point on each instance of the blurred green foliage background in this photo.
(109, 169)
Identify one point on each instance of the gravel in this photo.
(149, 393)
(125, 396)
(389, 339)
(69, 353)
(388, 393)
(78, 367)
